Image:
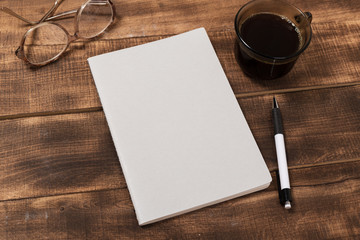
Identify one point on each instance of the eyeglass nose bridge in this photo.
(72, 38)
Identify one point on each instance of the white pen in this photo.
(283, 174)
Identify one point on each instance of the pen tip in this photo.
(287, 205)
(275, 104)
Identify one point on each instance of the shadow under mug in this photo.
(260, 65)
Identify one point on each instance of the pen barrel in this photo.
(278, 125)
(282, 161)
(282, 173)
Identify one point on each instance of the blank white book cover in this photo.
(180, 135)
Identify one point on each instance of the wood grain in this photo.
(138, 18)
(56, 155)
(326, 205)
(320, 125)
(59, 171)
(332, 57)
(67, 84)
(51, 155)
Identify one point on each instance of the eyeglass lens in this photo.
(44, 42)
(95, 18)
(47, 41)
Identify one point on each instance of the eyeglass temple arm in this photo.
(12, 13)
(44, 18)
(48, 18)
(63, 14)
(51, 11)
(60, 15)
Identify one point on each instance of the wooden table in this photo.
(60, 176)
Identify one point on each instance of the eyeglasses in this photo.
(46, 41)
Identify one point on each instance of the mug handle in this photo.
(300, 17)
(309, 16)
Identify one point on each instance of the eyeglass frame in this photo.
(48, 17)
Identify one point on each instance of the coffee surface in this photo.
(271, 35)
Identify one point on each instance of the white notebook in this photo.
(180, 135)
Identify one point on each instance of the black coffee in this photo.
(269, 35)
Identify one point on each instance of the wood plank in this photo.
(138, 18)
(63, 85)
(68, 84)
(57, 154)
(320, 125)
(52, 155)
(326, 206)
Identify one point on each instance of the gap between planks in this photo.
(51, 113)
(319, 164)
(299, 89)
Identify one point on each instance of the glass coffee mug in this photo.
(271, 35)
